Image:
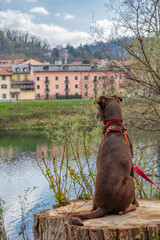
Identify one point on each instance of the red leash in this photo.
(142, 174)
(136, 169)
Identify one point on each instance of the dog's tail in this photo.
(76, 219)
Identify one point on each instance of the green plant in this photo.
(73, 171)
(57, 182)
(2, 228)
(24, 215)
(143, 188)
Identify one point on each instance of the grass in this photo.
(37, 114)
(34, 114)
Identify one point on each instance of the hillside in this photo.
(14, 44)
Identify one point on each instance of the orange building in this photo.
(77, 81)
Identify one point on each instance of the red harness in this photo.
(124, 133)
(111, 128)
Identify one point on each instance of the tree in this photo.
(139, 19)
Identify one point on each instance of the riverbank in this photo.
(36, 114)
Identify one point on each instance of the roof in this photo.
(95, 60)
(73, 68)
(21, 68)
(32, 61)
(11, 62)
(7, 71)
(76, 63)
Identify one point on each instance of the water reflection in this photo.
(18, 171)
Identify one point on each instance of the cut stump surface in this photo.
(144, 223)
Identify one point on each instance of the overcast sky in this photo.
(58, 21)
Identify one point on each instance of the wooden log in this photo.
(144, 223)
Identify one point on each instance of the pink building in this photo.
(76, 81)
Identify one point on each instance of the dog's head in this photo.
(108, 108)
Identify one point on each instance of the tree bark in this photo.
(144, 223)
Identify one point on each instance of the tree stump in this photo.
(144, 223)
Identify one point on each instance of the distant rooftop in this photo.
(7, 71)
(73, 68)
(21, 68)
(11, 62)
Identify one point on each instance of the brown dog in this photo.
(114, 188)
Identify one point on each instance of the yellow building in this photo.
(5, 83)
(32, 61)
(22, 87)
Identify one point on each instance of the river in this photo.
(19, 171)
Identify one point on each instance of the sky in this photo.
(60, 22)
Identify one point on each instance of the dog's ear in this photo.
(101, 101)
(117, 98)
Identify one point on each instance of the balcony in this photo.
(46, 81)
(67, 89)
(26, 88)
(66, 81)
(15, 90)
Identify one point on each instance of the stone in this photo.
(144, 223)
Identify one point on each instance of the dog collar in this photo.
(114, 120)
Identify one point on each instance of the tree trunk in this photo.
(144, 223)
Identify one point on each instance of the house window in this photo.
(25, 69)
(57, 86)
(86, 94)
(45, 68)
(3, 86)
(38, 95)
(17, 69)
(4, 95)
(18, 77)
(3, 77)
(85, 77)
(86, 85)
(76, 78)
(76, 85)
(38, 78)
(120, 77)
(26, 77)
(12, 95)
(76, 93)
(111, 78)
(47, 88)
(57, 96)
(67, 87)
(95, 87)
(38, 86)
(46, 78)
(56, 78)
(66, 79)
(95, 78)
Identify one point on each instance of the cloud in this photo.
(5, 1)
(68, 16)
(39, 10)
(57, 15)
(110, 29)
(31, 1)
(64, 16)
(53, 33)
